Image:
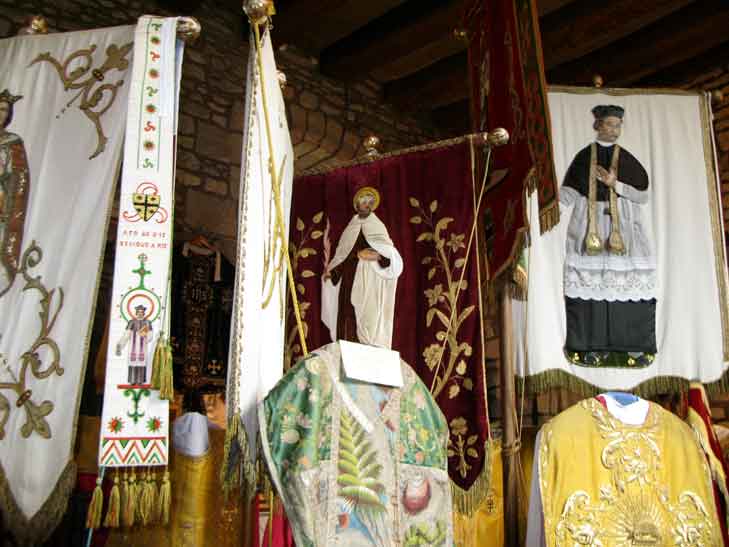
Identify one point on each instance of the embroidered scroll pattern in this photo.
(634, 509)
(77, 74)
(300, 249)
(43, 350)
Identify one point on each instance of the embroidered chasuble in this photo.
(608, 483)
(357, 464)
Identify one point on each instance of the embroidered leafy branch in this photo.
(359, 473)
(442, 301)
(299, 250)
(43, 349)
(421, 535)
(460, 445)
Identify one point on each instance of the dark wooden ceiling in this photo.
(410, 46)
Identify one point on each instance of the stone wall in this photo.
(328, 119)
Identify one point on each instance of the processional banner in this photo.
(63, 100)
(425, 197)
(134, 424)
(508, 90)
(630, 290)
(259, 298)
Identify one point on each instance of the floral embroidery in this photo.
(460, 445)
(421, 438)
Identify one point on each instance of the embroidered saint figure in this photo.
(137, 335)
(358, 292)
(14, 188)
(610, 266)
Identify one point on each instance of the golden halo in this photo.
(367, 190)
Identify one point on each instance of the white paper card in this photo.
(371, 364)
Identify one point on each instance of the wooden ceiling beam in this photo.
(679, 37)
(585, 26)
(404, 32)
(313, 25)
(440, 84)
(689, 71)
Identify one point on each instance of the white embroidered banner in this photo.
(134, 425)
(63, 100)
(680, 216)
(257, 334)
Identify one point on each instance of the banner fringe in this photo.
(37, 529)
(165, 499)
(554, 378)
(467, 502)
(549, 217)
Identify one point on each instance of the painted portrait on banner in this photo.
(630, 290)
(14, 187)
(609, 269)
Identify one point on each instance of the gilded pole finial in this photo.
(497, 137)
(460, 34)
(281, 75)
(597, 81)
(258, 11)
(188, 29)
(717, 97)
(371, 144)
(37, 24)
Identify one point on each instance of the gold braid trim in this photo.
(467, 502)
(37, 529)
(615, 241)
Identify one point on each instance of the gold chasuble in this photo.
(608, 484)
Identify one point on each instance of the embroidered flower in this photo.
(431, 355)
(290, 436)
(116, 424)
(459, 426)
(456, 242)
(154, 424)
(304, 421)
(153, 73)
(304, 462)
(301, 384)
(148, 146)
(435, 295)
(155, 40)
(150, 108)
(419, 457)
(419, 400)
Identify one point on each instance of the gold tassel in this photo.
(93, 517)
(165, 499)
(130, 508)
(143, 507)
(166, 390)
(152, 496)
(112, 513)
(123, 496)
(159, 355)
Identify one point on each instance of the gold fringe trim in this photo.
(549, 216)
(549, 379)
(237, 469)
(519, 286)
(37, 529)
(467, 502)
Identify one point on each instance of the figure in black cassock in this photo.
(610, 266)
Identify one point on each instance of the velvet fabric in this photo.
(427, 205)
(508, 90)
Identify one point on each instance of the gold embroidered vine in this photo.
(300, 250)
(51, 303)
(442, 301)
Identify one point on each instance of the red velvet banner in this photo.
(427, 205)
(508, 90)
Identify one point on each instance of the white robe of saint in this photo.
(373, 290)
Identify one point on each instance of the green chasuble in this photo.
(357, 464)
